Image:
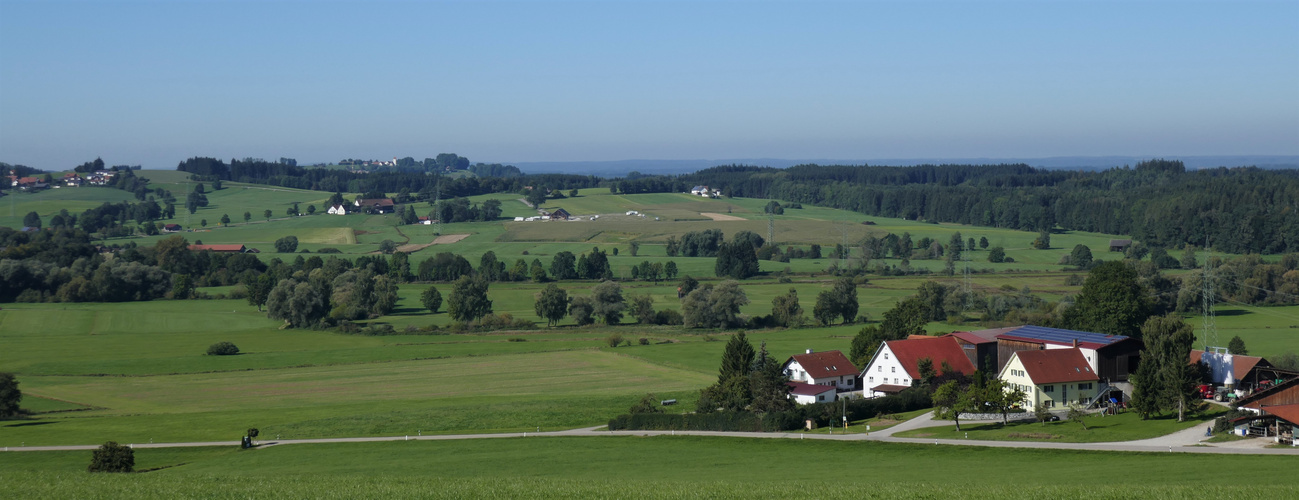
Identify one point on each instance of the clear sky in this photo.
(153, 83)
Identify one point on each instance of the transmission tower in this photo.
(1207, 301)
(437, 209)
(771, 228)
(967, 288)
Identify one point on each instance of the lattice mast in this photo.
(1207, 300)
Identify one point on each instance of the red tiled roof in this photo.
(801, 389)
(217, 248)
(937, 349)
(825, 364)
(1289, 413)
(890, 389)
(1240, 364)
(1053, 366)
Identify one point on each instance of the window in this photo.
(872, 379)
(886, 355)
(881, 368)
(1083, 387)
(1048, 404)
(893, 369)
(906, 381)
(821, 397)
(1048, 388)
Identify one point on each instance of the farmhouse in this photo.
(171, 228)
(337, 210)
(805, 394)
(425, 221)
(221, 248)
(560, 214)
(1053, 377)
(72, 180)
(29, 183)
(376, 205)
(896, 365)
(829, 368)
(1119, 245)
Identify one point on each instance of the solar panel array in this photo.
(1063, 336)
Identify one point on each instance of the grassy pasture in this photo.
(634, 467)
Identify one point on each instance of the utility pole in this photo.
(967, 288)
(771, 228)
(437, 208)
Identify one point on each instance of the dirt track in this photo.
(719, 217)
(445, 239)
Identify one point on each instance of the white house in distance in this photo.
(1054, 377)
(806, 394)
(337, 210)
(829, 368)
(895, 365)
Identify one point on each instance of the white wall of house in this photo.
(337, 210)
(884, 369)
(825, 397)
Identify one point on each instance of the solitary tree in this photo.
(225, 219)
(32, 219)
(786, 310)
(286, 244)
(10, 396)
(950, 399)
(112, 457)
(468, 300)
(1081, 256)
(996, 255)
(552, 304)
(1237, 346)
(983, 242)
(432, 299)
(1164, 380)
(266, 214)
(608, 302)
(248, 216)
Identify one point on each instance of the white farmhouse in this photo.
(337, 210)
(896, 365)
(829, 368)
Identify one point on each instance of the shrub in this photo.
(286, 244)
(329, 250)
(222, 349)
(667, 317)
(112, 457)
(614, 340)
(644, 341)
(516, 339)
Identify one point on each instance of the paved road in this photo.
(1179, 442)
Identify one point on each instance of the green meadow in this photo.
(635, 467)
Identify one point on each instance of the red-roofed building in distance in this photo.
(1055, 378)
(829, 368)
(897, 363)
(375, 205)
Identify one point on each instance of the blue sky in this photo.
(153, 83)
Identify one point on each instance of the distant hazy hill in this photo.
(622, 167)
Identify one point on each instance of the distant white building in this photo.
(337, 210)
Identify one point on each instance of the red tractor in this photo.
(1206, 391)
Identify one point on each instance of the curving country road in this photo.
(1186, 441)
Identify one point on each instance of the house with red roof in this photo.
(376, 205)
(1055, 378)
(896, 364)
(829, 368)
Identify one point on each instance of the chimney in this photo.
(1075, 343)
(809, 351)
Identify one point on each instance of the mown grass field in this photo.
(1126, 426)
(633, 467)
